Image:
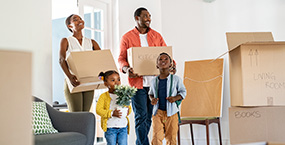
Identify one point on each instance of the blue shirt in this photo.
(178, 88)
(162, 87)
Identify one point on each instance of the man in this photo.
(141, 36)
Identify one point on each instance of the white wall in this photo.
(196, 30)
(26, 26)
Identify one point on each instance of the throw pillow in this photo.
(41, 121)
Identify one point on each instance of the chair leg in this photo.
(207, 131)
(178, 135)
(220, 135)
(192, 135)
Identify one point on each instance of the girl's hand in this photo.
(117, 113)
(154, 101)
(73, 79)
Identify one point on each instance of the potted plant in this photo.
(124, 93)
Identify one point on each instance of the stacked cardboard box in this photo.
(257, 84)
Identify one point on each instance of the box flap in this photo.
(203, 80)
(234, 39)
(91, 63)
(265, 43)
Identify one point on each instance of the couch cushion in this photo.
(63, 138)
(41, 121)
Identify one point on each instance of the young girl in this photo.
(76, 101)
(115, 126)
(165, 90)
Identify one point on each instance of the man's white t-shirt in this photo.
(144, 43)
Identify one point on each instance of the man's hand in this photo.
(117, 113)
(173, 69)
(131, 73)
(74, 81)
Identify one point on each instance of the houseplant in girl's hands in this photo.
(124, 93)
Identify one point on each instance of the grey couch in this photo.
(75, 128)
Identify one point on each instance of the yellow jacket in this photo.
(103, 109)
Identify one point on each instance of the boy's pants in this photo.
(164, 126)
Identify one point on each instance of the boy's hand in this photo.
(117, 113)
(154, 101)
(171, 99)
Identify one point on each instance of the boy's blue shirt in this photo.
(178, 88)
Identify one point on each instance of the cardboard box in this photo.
(16, 98)
(203, 80)
(86, 66)
(143, 59)
(256, 69)
(256, 124)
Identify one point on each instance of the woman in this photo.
(81, 101)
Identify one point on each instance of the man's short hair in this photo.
(139, 11)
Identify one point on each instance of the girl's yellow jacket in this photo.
(103, 109)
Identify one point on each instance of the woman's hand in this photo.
(117, 113)
(73, 79)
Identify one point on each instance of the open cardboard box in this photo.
(203, 80)
(256, 124)
(86, 66)
(257, 68)
(143, 59)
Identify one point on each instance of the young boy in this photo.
(165, 90)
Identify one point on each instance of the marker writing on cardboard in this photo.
(247, 114)
(251, 53)
(275, 85)
(264, 76)
(147, 56)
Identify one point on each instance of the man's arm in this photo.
(123, 60)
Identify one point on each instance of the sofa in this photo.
(74, 128)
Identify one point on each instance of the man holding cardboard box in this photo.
(141, 36)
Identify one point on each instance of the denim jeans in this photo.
(116, 136)
(143, 113)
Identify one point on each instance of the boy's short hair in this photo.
(139, 11)
(67, 21)
(163, 53)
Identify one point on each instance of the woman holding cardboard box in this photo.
(81, 101)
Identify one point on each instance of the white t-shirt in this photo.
(115, 121)
(144, 43)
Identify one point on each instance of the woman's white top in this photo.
(115, 122)
(74, 45)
